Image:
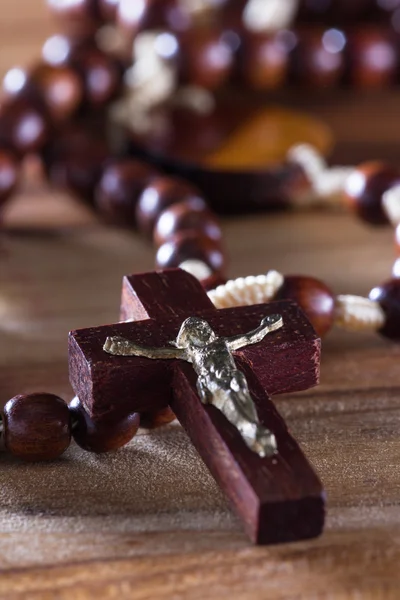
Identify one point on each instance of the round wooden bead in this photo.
(23, 126)
(9, 175)
(37, 426)
(205, 58)
(58, 89)
(119, 189)
(190, 245)
(101, 74)
(264, 61)
(186, 216)
(365, 187)
(108, 10)
(101, 436)
(318, 58)
(80, 16)
(134, 16)
(75, 162)
(156, 418)
(373, 57)
(313, 297)
(388, 296)
(159, 195)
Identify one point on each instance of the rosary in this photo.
(190, 344)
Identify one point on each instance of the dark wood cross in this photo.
(279, 498)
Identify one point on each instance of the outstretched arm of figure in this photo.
(267, 325)
(118, 346)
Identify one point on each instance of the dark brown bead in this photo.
(9, 175)
(37, 426)
(388, 296)
(186, 216)
(101, 74)
(373, 57)
(318, 58)
(205, 58)
(185, 246)
(23, 126)
(108, 10)
(59, 49)
(159, 195)
(134, 16)
(365, 187)
(119, 189)
(80, 16)
(156, 418)
(75, 162)
(57, 89)
(101, 436)
(313, 297)
(264, 61)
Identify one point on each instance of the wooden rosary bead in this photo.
(119, 189)
(156, 418)
(318, 58)
(80, 16)
(365, 187)
(313, 297)
(186, 216)
(388, 296)
(159, 195)
(134, 16)
(101, 436)
(36, 426)
(373, 57)
(57, 89)
(23, 126)
(190, 245)
(108, 10)
(75, 162)
(100, 72)
(264, 61)
(9, 175)
(205, 58)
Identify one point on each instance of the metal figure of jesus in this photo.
(219, 382)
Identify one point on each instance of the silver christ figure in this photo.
(219, 382)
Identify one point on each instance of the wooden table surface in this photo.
(146, 524)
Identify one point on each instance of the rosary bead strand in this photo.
(380, 312)
(104, 436)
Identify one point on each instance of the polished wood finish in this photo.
(119, 189)
(75, 161)
(159, 195)
(102, 435)
(388, 296)
(191, 245)
(152, 419)
(365, 188)
(24, 128)
(9, 175)
(314, 297)
(36, 427)
(118, 525)
(278, 498)
(186, 217)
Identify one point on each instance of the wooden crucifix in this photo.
(274, 491)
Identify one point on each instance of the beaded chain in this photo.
(42, 113)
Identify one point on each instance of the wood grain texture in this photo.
(97, 529)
